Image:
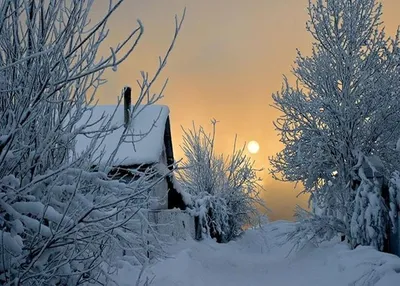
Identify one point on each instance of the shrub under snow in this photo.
(224, 190)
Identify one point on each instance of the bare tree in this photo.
(342, 112)
(62, 223)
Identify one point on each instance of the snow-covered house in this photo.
(139, 140)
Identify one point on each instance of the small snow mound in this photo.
(253, 240)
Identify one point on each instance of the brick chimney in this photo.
(127, 105)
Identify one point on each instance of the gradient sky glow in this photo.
(229, 58)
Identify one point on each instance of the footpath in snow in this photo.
(260, 257)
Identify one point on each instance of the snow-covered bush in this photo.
(343, 109)
(370, 214)
(63, 220)
(394, 200)
(313, 228)
(224, 190)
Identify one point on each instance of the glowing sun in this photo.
(253, 147)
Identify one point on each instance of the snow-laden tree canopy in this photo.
(343, 108)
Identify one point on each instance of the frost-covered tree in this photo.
(342, 111)
(62, 222)
(224, 189)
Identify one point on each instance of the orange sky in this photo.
(228, 60)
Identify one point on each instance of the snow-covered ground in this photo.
(260, 257)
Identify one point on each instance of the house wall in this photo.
(159, 198)
(168, 225)
(161, 190)
(173, 223)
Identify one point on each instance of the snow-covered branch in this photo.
(65, 218)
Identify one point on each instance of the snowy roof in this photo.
(143, 141)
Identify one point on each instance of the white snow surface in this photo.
(262, 257)
(144, 139)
